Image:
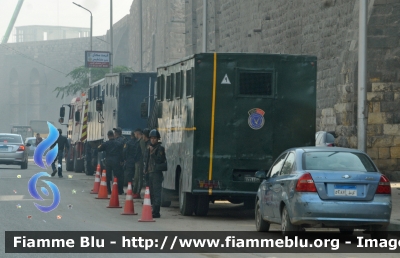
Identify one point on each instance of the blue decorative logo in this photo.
(256, 118)
(44, 145)
(50, 157)
(32, 190)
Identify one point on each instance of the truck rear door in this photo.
(253, 126)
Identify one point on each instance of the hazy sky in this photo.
(63, 13)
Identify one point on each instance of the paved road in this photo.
(80, 211)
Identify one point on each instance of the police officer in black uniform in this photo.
(113, 151)
(132, 154)
(155, 165)
(63, 143)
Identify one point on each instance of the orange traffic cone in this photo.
(103, 192)
(96, 185)
(129, 208)
(114, 201)
(147, 215)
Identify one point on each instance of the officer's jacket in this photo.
(156, 156)
(132, 152)
(113, 150)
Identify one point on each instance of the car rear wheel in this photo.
(379, 233)
(261, 224)
(288, 229)
(24, 165)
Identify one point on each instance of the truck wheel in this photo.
(79, 168)
(69, 163)
(186, 200)
(202, 205)
(89, 170)
(165, 201)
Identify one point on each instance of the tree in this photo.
(80, 79)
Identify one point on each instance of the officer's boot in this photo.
(156, 211)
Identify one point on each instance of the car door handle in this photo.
(282, 183)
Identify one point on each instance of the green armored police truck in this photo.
(224, 116)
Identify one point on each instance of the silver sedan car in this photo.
(13, 151)
(326, 187)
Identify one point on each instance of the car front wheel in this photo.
(261, 224)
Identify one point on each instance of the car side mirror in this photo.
(261, 174)
(28, 144)
(77, 116)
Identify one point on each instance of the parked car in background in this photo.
(32, 148)
(13, 151)
(324, 187)
(326, 139)
(32, 142)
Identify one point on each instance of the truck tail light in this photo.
(306, 184)
(384, 186)
(207, 184)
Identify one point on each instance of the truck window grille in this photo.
(178, 88)
(168, 89)
(255, 83)
(189, 83)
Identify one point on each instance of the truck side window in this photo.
(173, 85)
(159, 88)
(168, 88)
(189, 83)
(179, 81)
(255, 83)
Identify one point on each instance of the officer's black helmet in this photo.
(154, 133)
(146, 132)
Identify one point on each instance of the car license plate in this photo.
(3, 148)
(345, 190)
(251, 179)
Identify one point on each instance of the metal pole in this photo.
(141, 34)
(362, 78)
(91, 47)
(148, 107)
(204, 26)
(91, 36)
(12, 22)
(111, 37)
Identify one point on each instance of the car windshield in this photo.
(10, 139)
(337, 161)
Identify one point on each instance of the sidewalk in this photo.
(395, 218)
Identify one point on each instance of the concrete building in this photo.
(41, 33)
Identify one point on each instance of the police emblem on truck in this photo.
(256, 118)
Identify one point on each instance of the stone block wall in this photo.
(163, 33)
(383, 139)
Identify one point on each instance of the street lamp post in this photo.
(91, 35)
